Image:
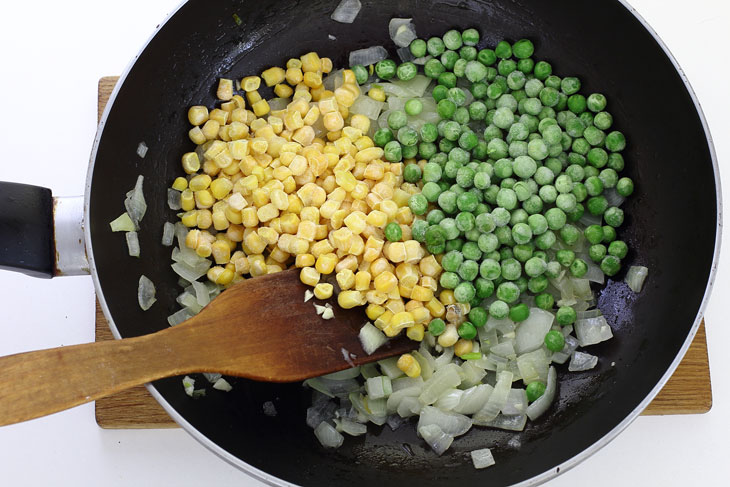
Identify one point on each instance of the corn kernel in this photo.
(345, 279)
(190, 162)
(326, 64)
(349, 299)
(304, 260)
(385, 282)
(320, 248)
(436, 308)
(306, 230)
(415, 332)
(421, 293)
(312, 116)
(362, 280)
(447, 297)
(197, 115)
(260, 108)
(304, 135)
(273, 76)
(420, 315)
(326, 263)
(395, 251)
(429, 266)
(250, 83)
(323, 290)
(462, 347)
(309, 276)
(299, 246)
(311, 62)
(449, 337)
(368, 155)
(409, 365)
(225, 89)
(376, 93)
(312, 79)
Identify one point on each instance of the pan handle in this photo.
(40, 235)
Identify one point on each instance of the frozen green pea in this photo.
(548, 194)
(499, 309)
(468, 270)
(597, 205)
(578, 268)
(609, 177)
(508, 292)
(406, 71)
(435, 46)
(524, 166)
(597, 252)
(614, 216)
(464, 221)
(521, 233)
(506, 198)
(603, 120)
(433, 68)
(625, 186)
(397, 119)
(535, 267)
(407, 136)
(566, 315)
(538, 224)
(449, 280)
(615, 141)
(434, 216)
(464, 292)
(566, 202)
(385, 69)
(537, 149)
(488, 242)
(393, 151)
(511, 269)
(418, 204)
(431, 191)
(610, 265)
(556, 218)
(569, 234)
(448, 59)
(618, 248)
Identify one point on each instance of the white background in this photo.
(53, 54)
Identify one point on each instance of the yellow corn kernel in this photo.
(368, 155)
(345, 180)
(395, 251)
(258, 268)
(420, 315)
(355, 221)
(260, 197)
(415, 332)
(429, 283)
(333, 121)
(279, 199)
(220, 188)
(203, 199)
(295, 204)
(221, 252)
(309, 276)
(373, 311)
(326, 263)
(293, 76)
(429, 266)
(312, 116)
(283, 91)
(421, 293)
(447, 297)
(189, 218)
(360, 122)
(385, 282)
(449, 337)
(250, 83)
(383, 320)
(225, 89)
(380, 265)
(463, 347)
(255, 242)
(323, 290)
(204, 219)
(306, 230)
(196, 136)
(373, 247)
(409, 365)
(260, 108)
(190, 162)
(377, 218)
(362, 280)
(289, 222)
(304, 260)
(395, 304)
(273, 76)
(220, 275)
(320, 248)
(294, 63)
(312, 79)
(210, 129)
(326, 64)
(220, 222)
(342, 238)
(436, 308)
(376, 93)
(249, 218)
(345, 98)
(349, 299)
(197, 115)
(345, 279)
(303, 135)
(270, 235)
(312, 195)
(407, 274)
(187, 200)
(219, 116)
(311, 62)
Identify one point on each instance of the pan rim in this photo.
(536, 480)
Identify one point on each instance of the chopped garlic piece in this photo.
(319, 309)
(328, 314)
(308, 295)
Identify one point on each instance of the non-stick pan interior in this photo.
(670, 225)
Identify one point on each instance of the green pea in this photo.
(460, 68)
(614, 216)
(406, 71)
(553, 269)
(418, 48)
(397, 119)
(470, 37)
(578, 268)
(445, 108)
(490, 269)
(542, 70)
(433, 68)
(522, 252)
(521, 233)
(385, 69)
(569, 234)
(535, 267)
(409, 151)
(519, 312)
(506, 66)
(413, 107)
(565, 316)
(467, 330)
(499, 309)
(452, 39)
(511, 269)
(552, 81)
(597, 205)
(464, 292)
(625, 186)
(548, 194)
(546, 240)
(534, 391)
(449, 280)
(435, 239)
(533, 205)
(382, 136)
(464, 221)
(526, 65)
(597, 252)
(393, 151)
(508, 292)
(436, 327)
(610, 265)
(594, 234)
(554, 341)
(407, 136)
(393, 232)
(618, 248)
(545, 301)
(503, 50)
(435, 46)
(361, 74)
(418, 204)
(487, 57)
(454, 244)
(556, 218)
(439, 92)
(538, 284)
(484, 289)
(506, 198)
(475, 71)
(615, 141)
(603, 120)
(418, 230)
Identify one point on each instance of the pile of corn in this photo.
(306, 186)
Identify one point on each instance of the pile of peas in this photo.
(517, 159)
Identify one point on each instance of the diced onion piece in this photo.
(178, 317)
(635, 277)
(530, 334)
(327, 435)
(594, 273)
(449, 399)
(269, 408)
(370, 55)
(516, 403)
(133, 243)
(346, 11)
(570, 345)
(474, 399)
(378, 387)
(452, 424)
(334, 80)
(145, 293)
(212, 377)
(319, 309)
(404, 35)
(445, 358)
(350, 427)
(582, 361)
(328, 314)
(364, 105)
(320, 411)
(436, 438)
(331, 37)
(123, 223)
(396, 398)
(592, 330)
(445, 378)
(222, 385)
(371, 338)
(173, 199)
(135, 203)
(613, 198)
(422, 60)
(405, 54)
(510, 423)
(389, 366)
(190, 273)
(168, 234)
(142, 149)
(188, 385)
(482, 458)
(497, 399)
(308, 295)
(343, 374)
(533, 365)
(542, 403)
(202, 295)
(278, 104)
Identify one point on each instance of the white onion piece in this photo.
(396, 23)
(395, 398)
(168, 234)
(122, 223)
(370, 55)
(414, 88)
(509, 423)
(188, 385)
(222, 385)
(446, 377)
(497, 399)
(591, 313)
(173, 199)
(474, 399)
(371, 338)
(516, 403)
(392, 89)
(533, 365)
(189, 302)
(383, 119)
(378, 387)
(581, 289)
(319, 412)
(350, 427)
(592, 330)
(436, 438)
(589, 219)
(613, 198)
(212, 377)
(409, 406)
(334, 80)
(582, 361)
(395, 421)
(407, 382)
(482, 458)
(328, 436)
(450, 423)
(404, 35)
(542, 403)
(346, 11)
(202, 296)
(445, 358)
(343, 374)
(132, 243)
(505, 349)
(426, 361)
(178, 317)
(397, 102)
(405, 54)
(635, 277)
(146, 293)
(449, 399)
(389, 366)
(278, 103)
(562, 356)
(188, 273)
(530, 334)
(594, 273)
(471, 374)
(142, 149)
(135, 203)
(422, 60)
(364, 105)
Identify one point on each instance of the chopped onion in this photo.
(497, 399)
(405, 54)
(436, 438)
(202, 295)
(422, 60)
(327, 435)
(212, 376)
(589, 219)
(591, 313)
(364, 105)
(474, 399)
(179, 316)
(308, 295)
(396, 398)
(331, 37)
(188, 385)
(508, 422)
(445, 378)
(173, 199)
(142, 149)
(350, 427)
(445, 358)
(371, 338)
(401, 31)
(594, 273)
(132, 243)
(416, 87)
(122, 223)
(278, 103)
(542, 403)
(562, 356)
(334, 80)
(582, 361)
(449, 399)
(378, 387)
(368, 56)
(343, 374)
(592, 330)
(134, 203)
(482, 458)
(269, 408)
(346, 11)
(319, 412)
(516, 403)
(533, 365)
(530, 334)
(471, 374)
(635, 277)
(389, 366)
(168, 234)
(613, 198)
(145, 293)
(409, 406)
(452, 424)
(222, 385)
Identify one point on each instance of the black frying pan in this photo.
(671, 227)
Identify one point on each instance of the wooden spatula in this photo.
(260, 329)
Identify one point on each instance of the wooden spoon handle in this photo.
(35, 384)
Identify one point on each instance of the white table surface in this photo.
(53, 54)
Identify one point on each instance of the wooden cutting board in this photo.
(687, 392)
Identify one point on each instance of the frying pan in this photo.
(669, 156)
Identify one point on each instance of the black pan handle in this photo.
(40, 235)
